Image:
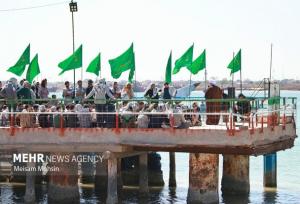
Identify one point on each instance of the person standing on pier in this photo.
(43, 92)
(168, 92)
(67, 93)
(151, 92)
(100, 91)
(127, 92)
(213, 107)
(10, 96)
(80, 91)
(25, 94)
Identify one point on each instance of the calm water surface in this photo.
(288, 181)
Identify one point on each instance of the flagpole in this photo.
(73, 8)
(241, 83)
(271, 61)
(205, 78)
(232, 73)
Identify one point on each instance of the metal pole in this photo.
(205, 83)
(271, 59)
(73, 35)
(232, 73)
(241, 83)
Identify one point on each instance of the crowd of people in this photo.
(96, 105)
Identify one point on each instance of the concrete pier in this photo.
(30, 183)
(235, 179)
(203, 178)
(143, 177)
(270, 170)
(63, 185)
(112, 181)
(101, 176)
(172, 173)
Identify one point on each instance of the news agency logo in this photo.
(59, 158)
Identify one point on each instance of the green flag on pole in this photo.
(72, 62)
(184, 61)
(20, 66)
(123, 63)
(33, 69)
(198, 64)
(168, 75)
(236, 63)
(95, 65)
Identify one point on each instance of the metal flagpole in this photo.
(241, 83)
(232, 73)
(205, 78)
(271, 60)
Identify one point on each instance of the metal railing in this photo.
(250, 113)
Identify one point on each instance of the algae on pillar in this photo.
(63, 184)
(143, 177)
(112, 181)
(235, 179)
(30, 183)
(203, 178)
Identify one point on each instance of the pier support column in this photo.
(30, 183)
(270, 170)
(203, 178)
(143, 171)
(172, 173)
(235, 179)
(63, 184)
(119, 171)
(112, 181)
(101, 176)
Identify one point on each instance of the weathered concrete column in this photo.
(235, 179)
(101, 176)
(119, 171)
(112, 181)
(87, 170)
(143, 177)
(63, 184)
(172, 173)
(270, 170)
(203, 178)
(30, 183)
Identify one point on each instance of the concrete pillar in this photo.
(203, 178)
(30, 183)
(119, 171)
(63, 184)
(101, 176)
(87, 170)
(235, 179)
(270, 170)
(143, 174)
(112, 181)
(172, 173)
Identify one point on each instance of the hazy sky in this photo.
(156, 27)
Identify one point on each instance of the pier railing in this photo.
(249, 114)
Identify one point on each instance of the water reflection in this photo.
(270, 195)
(235, 199)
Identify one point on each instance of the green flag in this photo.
(33, 69)
(184, 61)
(123, 63)
(19, 67)
(168, 75)
(236, 63)
(198, 64)
(72, 62)
(95, 65)
(132, 71)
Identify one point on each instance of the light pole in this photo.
(73, 8)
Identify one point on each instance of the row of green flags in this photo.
(33, 68)
(120, 64)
